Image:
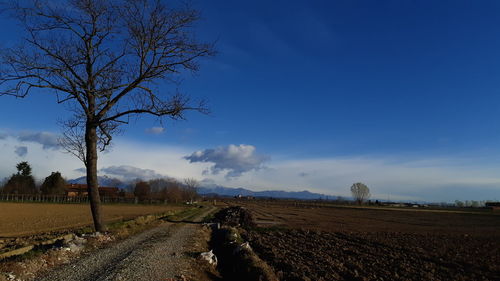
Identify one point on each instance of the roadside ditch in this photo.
(235, 259)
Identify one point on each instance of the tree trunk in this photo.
(92, 183)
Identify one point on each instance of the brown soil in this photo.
(20, 219)
(353, 219)
(340, 243)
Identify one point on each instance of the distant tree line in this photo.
(161, 189)
(166, 189)
(470, 204)
(23, 182)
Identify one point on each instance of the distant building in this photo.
(126, 195)
(239, 196)
(73, 190)
(493, 205)
(393, 204)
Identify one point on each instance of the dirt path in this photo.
(156, 254)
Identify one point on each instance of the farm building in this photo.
(126, 195)
(493, 205)
(73, 190)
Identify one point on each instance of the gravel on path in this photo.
(156, 254)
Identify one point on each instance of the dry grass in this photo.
(21, 219)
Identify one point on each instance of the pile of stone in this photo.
(235, 216)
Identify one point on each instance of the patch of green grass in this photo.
(208, 218)
(274, 228)
(84, 230)
(117, 225)
(185, 215)
(34, 253)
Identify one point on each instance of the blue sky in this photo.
(401, 95)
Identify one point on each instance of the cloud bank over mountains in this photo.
(396, 177)
(127, 172)
(233, 159)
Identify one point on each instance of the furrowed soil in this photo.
(341, 243)
(22, 219)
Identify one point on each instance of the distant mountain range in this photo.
(228, 191)
(205, 189)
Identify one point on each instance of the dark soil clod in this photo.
(235, 216)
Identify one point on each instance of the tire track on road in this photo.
(155, 254)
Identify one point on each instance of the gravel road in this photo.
(156, 254)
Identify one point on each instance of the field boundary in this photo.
(145, 219)
(60, 199)
(296, 204)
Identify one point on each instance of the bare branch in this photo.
(103, 59)
(72, 140)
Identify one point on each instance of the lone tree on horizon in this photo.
(360, 192)
(104, 59)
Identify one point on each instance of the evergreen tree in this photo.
(53, 184)
(23, 169)
(22, 182)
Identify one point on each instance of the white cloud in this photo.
(155, 130)
(130, 173)
(21, 151)
(163, 159)
(46, 139)
(81, 170)
(388, 178)
(43, 161)
(235, 159)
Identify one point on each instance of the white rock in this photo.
(241, 247)
(79, 240)
(209, 257)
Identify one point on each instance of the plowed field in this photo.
(375, 244)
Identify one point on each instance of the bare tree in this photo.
(191, 183)
(142, 191)
(173, 191)
(191, 188)
(360, 192)
(103, 59)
